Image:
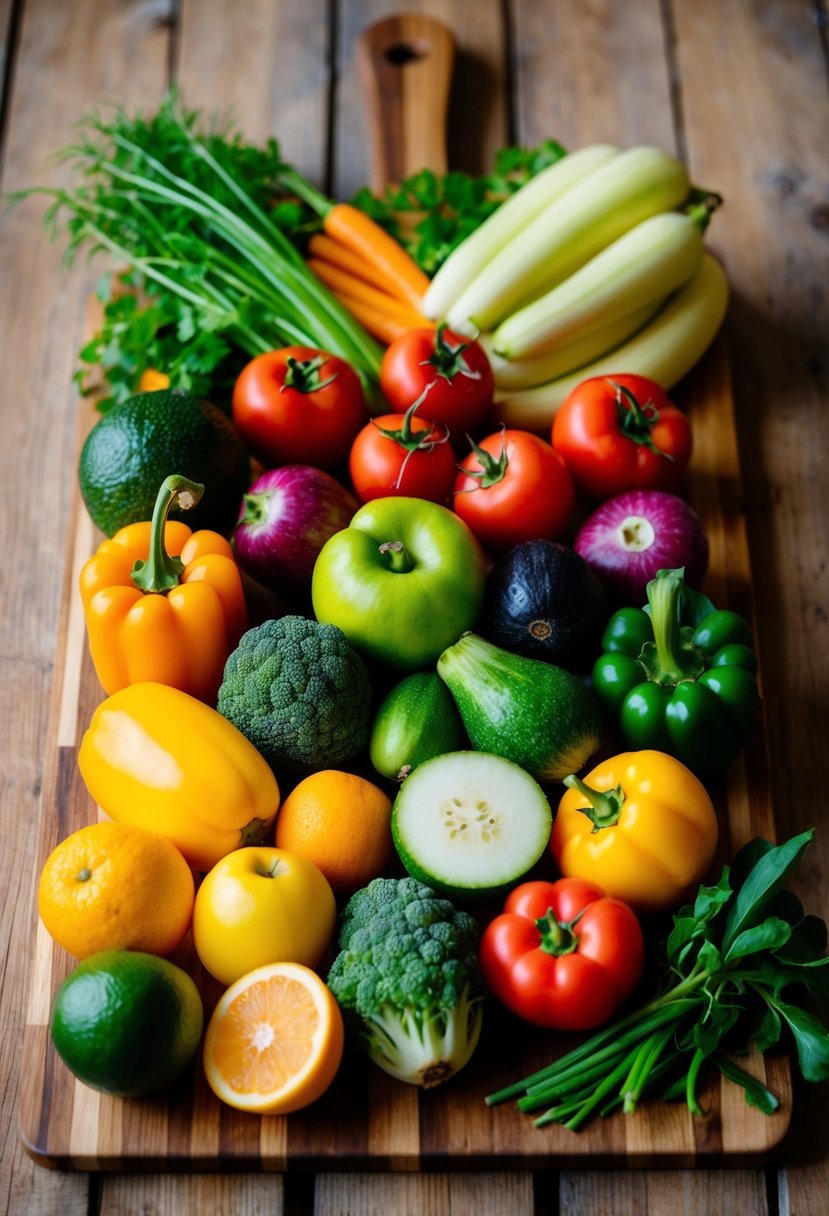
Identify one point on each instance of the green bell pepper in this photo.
(679, 676)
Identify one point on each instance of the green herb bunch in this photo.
(732, 959)
(431, 213)
(191, 216)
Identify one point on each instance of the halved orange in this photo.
(275, 1040)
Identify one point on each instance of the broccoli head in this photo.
(299, 692)
(407, 975)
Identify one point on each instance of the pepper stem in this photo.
(603, 809)
(556, 938)
(671, 657)
(161, 572)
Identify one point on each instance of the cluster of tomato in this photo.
(299, 405)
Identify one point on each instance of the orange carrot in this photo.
(328, 250)
(382, 325)
(359, 233)
(343, 283)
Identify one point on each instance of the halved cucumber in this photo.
(470, 823)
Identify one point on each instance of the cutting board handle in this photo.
(405, 65)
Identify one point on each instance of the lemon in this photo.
(127, 1023)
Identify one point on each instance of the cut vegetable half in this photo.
(275, 1040)
(470, 823)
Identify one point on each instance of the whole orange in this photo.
(112, 886)
(342, 823)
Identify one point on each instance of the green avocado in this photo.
(131, 449)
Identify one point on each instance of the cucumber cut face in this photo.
(470, 823)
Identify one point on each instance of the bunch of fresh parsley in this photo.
(732, 959)
(431, 213)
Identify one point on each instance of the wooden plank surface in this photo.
(766, 79)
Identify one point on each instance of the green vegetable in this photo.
(529, 711)
(190, 214)
(431, 214)
(415, 721)
(134, 447)
(731, 961)
(299, 692)
(678, 676)
(407, 976)
(470, 824)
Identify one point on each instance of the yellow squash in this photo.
(158, 758)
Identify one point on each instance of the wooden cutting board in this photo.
(367, 1120)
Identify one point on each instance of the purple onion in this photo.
(633, 535)
(286, 517)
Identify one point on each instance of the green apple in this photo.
(403, 581)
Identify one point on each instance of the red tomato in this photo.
(513, 487)
(299, 405)
(561, 955)
(401, 454)
(447, 374)
(620, 433)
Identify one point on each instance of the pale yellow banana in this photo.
(609, 201)
(481, 246)
(642, 266)
(664, 351)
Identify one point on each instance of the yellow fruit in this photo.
(275, 1040)
(112, 886)
(342, 823)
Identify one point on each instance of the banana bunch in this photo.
(595, 266)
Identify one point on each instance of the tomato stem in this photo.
(637, 421)
(304, 375)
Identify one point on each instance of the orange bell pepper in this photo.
(163, 603)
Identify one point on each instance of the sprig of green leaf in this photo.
(734, 962)
(430, 214)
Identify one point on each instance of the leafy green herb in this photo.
(729, 960)
(191, 214)
(431, 214)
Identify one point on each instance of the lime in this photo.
(131, 449)
(127, 1023)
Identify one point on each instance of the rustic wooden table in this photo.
(738, 88)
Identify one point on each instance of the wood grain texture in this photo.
(406, 65)
(447, 1194)
(65, 60)
(774, 238)
(477, 108)
(271, 58)
(174, 1195)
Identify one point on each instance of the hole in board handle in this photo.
(401, 53)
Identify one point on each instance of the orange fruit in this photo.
(340, 822)
(112, 886)
(275, 1040)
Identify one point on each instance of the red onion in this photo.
(286, 517)
(633, 535)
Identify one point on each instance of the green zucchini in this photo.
(470, 824)
(533, 713)
(414, 722)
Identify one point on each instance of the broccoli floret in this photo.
(407, 975)
(299, 692)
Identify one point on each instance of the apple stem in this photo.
(398, 559)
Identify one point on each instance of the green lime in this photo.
(126, 1022)
(131, 449)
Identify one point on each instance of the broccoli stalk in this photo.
(407, 976)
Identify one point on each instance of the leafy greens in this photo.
(731, 959)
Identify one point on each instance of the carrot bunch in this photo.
(369, 273)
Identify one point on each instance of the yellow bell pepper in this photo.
(163, 603)
(160, 759)
(641, 826)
